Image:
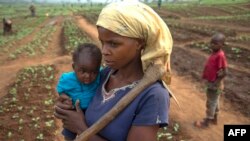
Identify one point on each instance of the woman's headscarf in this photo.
(137, 20)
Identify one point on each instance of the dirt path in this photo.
(88, 28)
(192, 102)
(193, 108)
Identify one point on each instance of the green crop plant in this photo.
(73, 35)
(236, 50)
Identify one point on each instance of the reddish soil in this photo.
(188, 62)
(8, 76)
(27, 111)
(187, 65)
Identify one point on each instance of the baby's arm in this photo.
(62, 83)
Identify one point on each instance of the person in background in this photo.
(32, 10)
(159, 4)
(7, 26)
(214, 72)
(132, 36)
(81, 84)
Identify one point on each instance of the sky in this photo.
(75, 1)
(91, 0)
(58, 1)
(71, 1)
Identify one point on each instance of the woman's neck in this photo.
(132, 72)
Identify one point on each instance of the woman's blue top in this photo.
(151, 107)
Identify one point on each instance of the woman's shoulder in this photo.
(156, 90)
(157, 86)
(152, 106)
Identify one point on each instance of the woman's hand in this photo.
(73, 120)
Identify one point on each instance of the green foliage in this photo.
(169, 133)
(21, 27)
(38, 44)
(236, 50)
(73, 35)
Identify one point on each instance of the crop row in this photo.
(38, 44)
(91, 15)
(27, 110)
(21, 29)
(200, 29)
(73, 35)
(234, 53)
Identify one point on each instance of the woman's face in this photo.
(118, 51)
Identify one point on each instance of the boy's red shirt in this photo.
(215, 62)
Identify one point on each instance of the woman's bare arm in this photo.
(143, 133)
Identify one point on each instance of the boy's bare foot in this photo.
(215, 120)
(202, 124)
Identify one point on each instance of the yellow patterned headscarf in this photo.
(137, 20)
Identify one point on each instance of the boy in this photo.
(81, 84)
(214, 72)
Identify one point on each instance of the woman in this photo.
(132, 36)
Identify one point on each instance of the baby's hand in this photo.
(67, 101)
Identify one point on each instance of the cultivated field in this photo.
(38, 51)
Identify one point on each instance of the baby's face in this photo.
(86, 70)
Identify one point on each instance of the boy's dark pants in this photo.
(212, 103)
